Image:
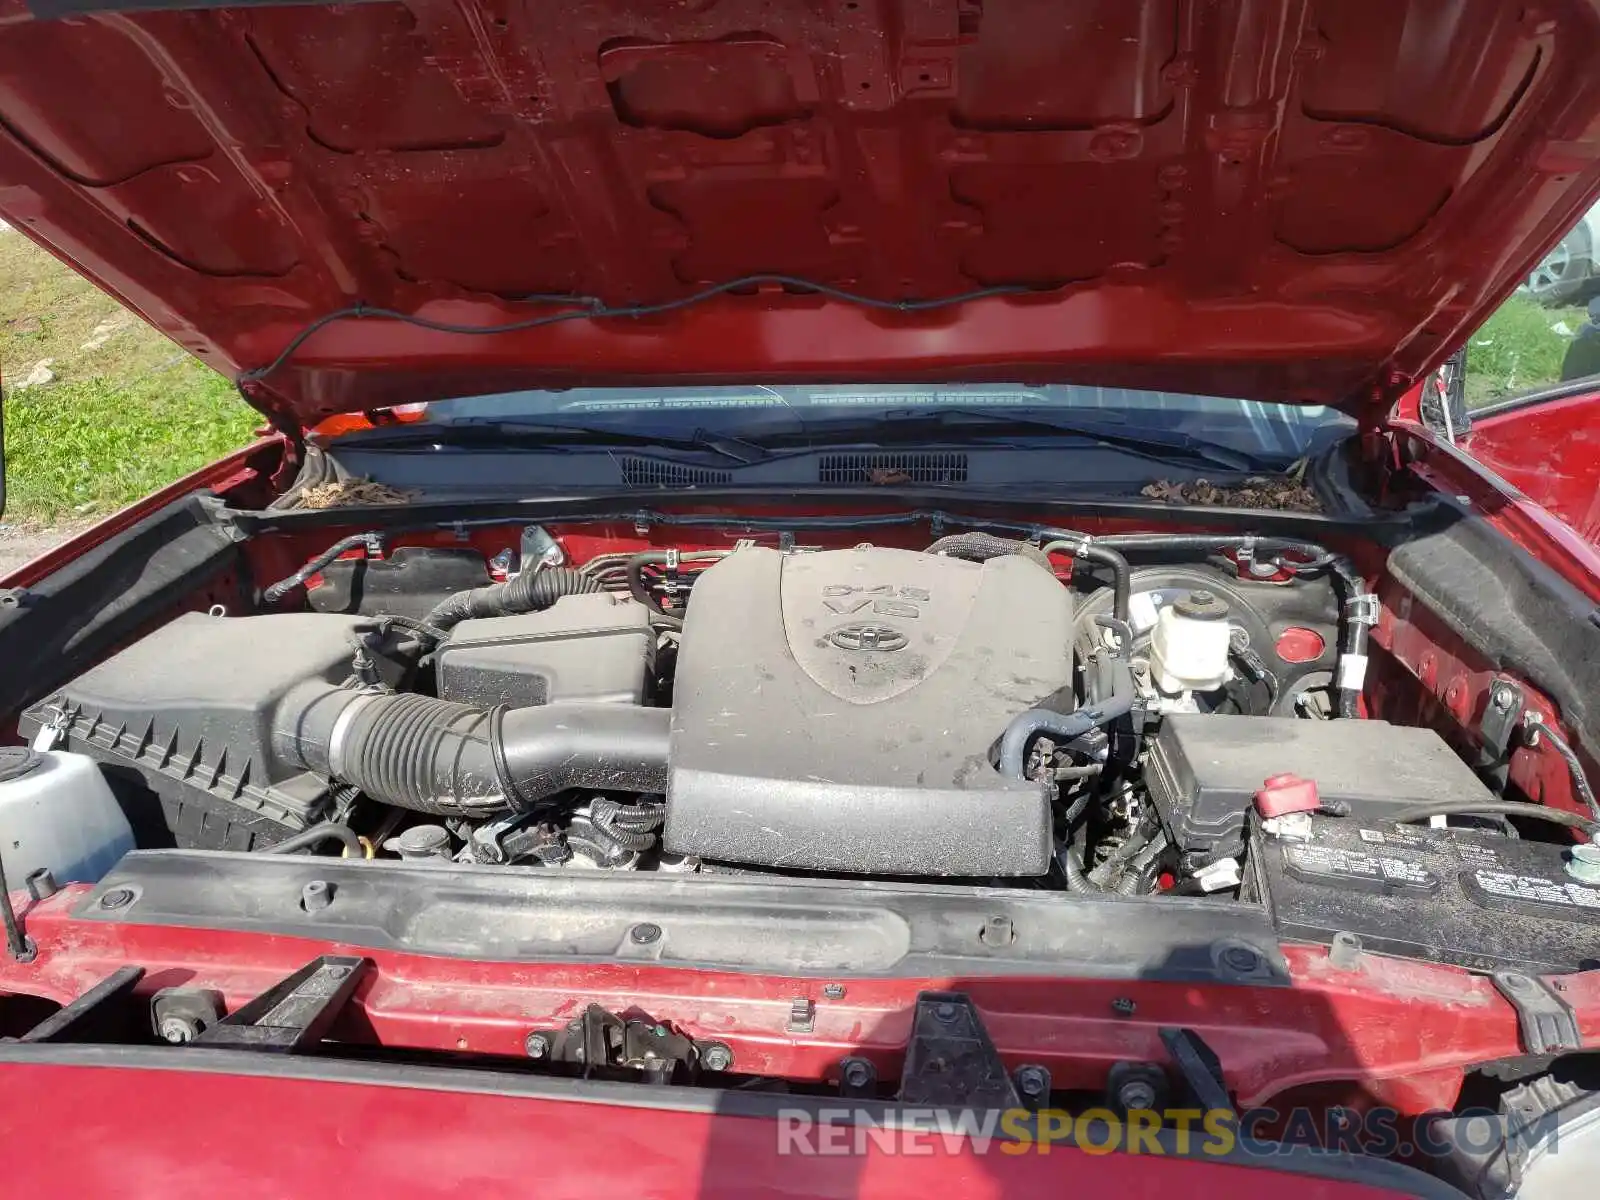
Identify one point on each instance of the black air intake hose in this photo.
(448, 759)
(528, 592)
(981, 547)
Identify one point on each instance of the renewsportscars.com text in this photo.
(1381, 1132)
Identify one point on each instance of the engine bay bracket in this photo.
(294, 1015)
(950, 1060)
(1547, 1021)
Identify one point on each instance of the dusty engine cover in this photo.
(835, 712)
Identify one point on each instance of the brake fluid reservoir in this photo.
(57, 811)
(1189, 647)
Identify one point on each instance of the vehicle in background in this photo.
(1570, 273)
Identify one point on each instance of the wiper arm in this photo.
(548, 435)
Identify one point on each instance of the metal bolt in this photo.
(1137, 1095)
(833, 991)
(178, 1030)
(1124, 1006)
(1346, 951)
(1032, 1082)
(536, 1045)
(945, 1012)
(997, 931)
(117, 898)
(1517, 983)
(856, 1073)
(1241, 959)
(316, 895)
(42, 884)
(337, 972)
(1500, 697)
(1558, 985)
(716, 1057)
(644, 933)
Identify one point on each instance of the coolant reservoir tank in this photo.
(1189, 647)
(57, 811)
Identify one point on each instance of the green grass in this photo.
(1517, 350)
(120, 419)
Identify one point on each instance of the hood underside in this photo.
(1310, 200)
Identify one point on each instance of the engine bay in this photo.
(1139, 715)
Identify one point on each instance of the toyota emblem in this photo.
(864, 636)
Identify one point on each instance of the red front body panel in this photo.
(1281, 200)
(1388, 1032)
(1549, 451)
(150, 1133)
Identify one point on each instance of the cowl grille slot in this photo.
(652, 472)
(915, 467)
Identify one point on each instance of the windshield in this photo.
(1271, 431)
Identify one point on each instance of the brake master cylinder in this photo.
(1189, 646)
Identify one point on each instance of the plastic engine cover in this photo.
(836, 711)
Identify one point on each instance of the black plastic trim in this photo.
(64, 622)
(1516, 611)
(926, 505)
(735, 923)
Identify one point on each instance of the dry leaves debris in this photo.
(349, 493)
(1284, 493)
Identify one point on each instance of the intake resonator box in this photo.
(836, 711)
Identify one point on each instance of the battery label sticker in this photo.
(1399, 835)
(1473, 853)
(1337, 863)
(1532, 889)
(1401, 838)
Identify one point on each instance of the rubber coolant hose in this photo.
(529, 592)
(1097, 551)
(328, 830)
(639, 589)
(1064, 727)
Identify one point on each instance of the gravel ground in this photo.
(18, 546)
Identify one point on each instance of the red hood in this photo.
(1309, 200)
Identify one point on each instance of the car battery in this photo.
(1461, 896)
(1205, 768)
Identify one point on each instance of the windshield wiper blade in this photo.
(906, 424)
(550, 435)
